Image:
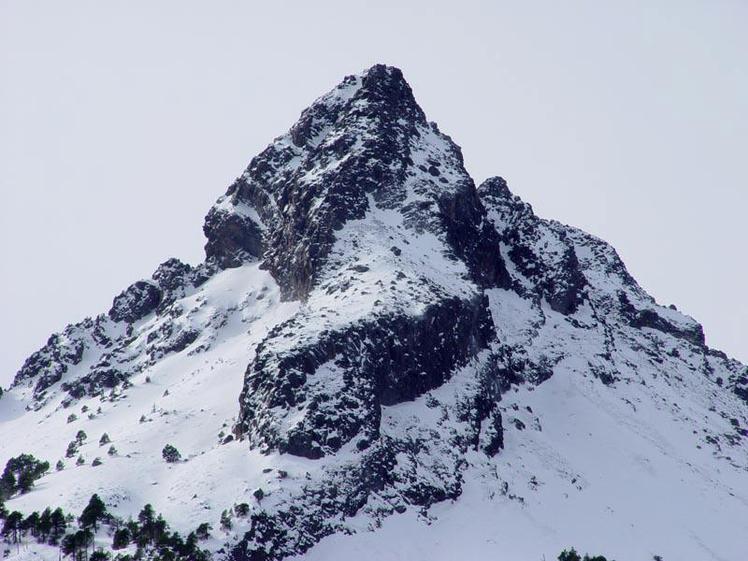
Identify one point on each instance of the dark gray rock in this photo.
(136, 302)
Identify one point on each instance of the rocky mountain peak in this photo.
(370, 335)
(365, 142)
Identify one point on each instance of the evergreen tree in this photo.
(12, 526)
(83, 538)
(81, 437)
(160, 533)
(45, 524)
(190, 545)
(203, 531)
(104, 439)
(93, 513)
(72, 449)
(147, 519)
(7, 484)
(226, 520)
(570, 555)
(68, 545)
(171, 454)
(58, 524)
(60, 465)
(31, 524)
(121, 538)
(20, 473)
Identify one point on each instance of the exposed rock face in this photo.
(368, 137)
(341, 382)
(109, 343)
(136, 302)
(414, 303)
(553, 270)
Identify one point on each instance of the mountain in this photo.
(379, 359)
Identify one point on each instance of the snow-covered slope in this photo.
(385, 361)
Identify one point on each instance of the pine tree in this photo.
(45, 524)
(31, 524)
(171, 454)
(104, 439)
(226, 520)
(72, 449)
(160, 532)
(121, 538)
(68, 545)
(81, 437)
(93, 513)
(570, 555)
(146, 518)
(20, 473)
(12, 525)
(203, 531)
(60, 465)
(7, 484)
(58, 524)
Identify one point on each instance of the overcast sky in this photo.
(121, 122)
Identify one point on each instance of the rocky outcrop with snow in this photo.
(373, 342)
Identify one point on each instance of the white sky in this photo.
(121, 122)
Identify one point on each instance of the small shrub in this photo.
(96, 462)
(171, 454)
(226, 520)
(72, 417)
(72, 449)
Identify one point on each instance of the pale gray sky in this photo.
(121, 122)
